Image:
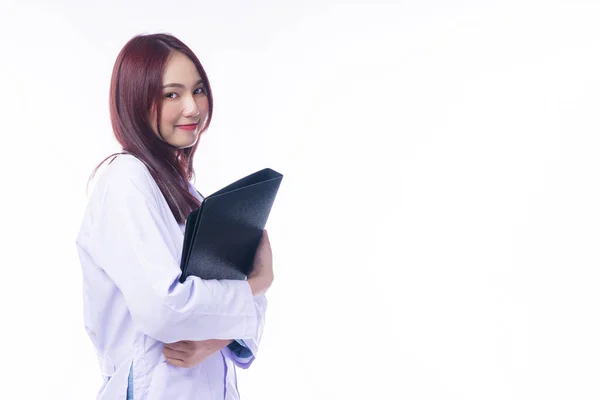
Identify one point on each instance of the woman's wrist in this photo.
(254, 286)
(258, 286)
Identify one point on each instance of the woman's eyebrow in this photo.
(179, 85)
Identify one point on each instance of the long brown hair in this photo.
(136, 87)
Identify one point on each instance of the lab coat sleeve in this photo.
(242, 361)
(128, 239)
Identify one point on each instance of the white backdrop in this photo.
(436, 233)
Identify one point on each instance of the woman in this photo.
(157, 338)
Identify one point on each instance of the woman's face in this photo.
(184, 107)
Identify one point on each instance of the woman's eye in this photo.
(199, 90)
(170, 95)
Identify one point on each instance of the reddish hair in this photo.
(136, 87)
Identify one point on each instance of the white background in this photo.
(436, 233)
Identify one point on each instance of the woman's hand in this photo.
(261, 277)
(188, 353)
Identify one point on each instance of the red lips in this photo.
(187, 127)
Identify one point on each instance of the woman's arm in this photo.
(235, 352)
(244, 353)
(241, 352)
(188, 353)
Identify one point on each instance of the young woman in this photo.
(157, 338)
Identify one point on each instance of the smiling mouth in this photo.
(190, 127)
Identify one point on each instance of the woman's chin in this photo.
(187, 142)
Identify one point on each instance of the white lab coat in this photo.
(130, 245)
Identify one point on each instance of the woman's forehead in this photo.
(181, 70)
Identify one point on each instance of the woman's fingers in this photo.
(176, 354)
(176, 362)
(184, 345)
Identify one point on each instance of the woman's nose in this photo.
(191, 109)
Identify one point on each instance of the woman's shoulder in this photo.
(121, 182)
(127, 166)
(124, 172)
